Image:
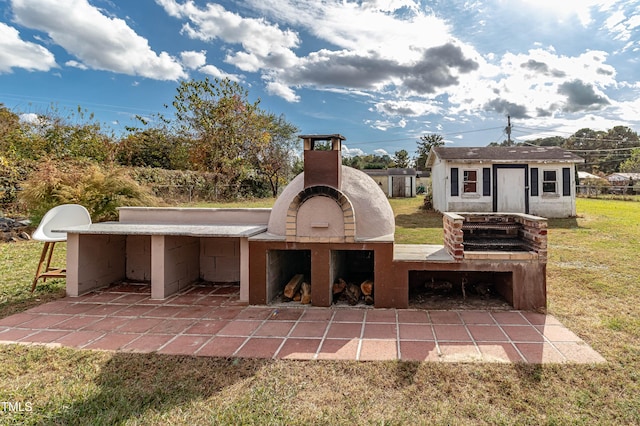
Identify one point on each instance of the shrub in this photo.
(100, 189)
(175, 186)
(9, 183)
(13, 173)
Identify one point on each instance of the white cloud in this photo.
(538, 83)
(30, 118)
(194, 60)
(408, 108)
(351, 152)
(378, 47)
(98, 41)
(214, 71)
(264, 43)
(17, 53)
(623, 25)
(561, 10)
(282, 90)
(380, 151)
(76, 64)
(362, 27)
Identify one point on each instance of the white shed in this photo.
(535, 180)
(395, 182)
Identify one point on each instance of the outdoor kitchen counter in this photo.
(119, 228)
(171, 256)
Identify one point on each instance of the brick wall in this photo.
(453, 236)
(533, 231)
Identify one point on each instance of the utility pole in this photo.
(508, 130)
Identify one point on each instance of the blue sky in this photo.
(380, 72)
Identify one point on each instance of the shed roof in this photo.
(390, 172)
(623, 176)
(586, 175)
(502, 154)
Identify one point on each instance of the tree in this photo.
(550, 141)
(603, 151)
(11, 135)
(153, 147)
(401, 159)
(424, 147)
(618, 140)
(373, 161)
(225, 129)
(76, 135)
(355, 162)
(275, 159)
(631, 164)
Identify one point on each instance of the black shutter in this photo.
(454, 182)
(486, 181)
(534, 182)
(566, 181)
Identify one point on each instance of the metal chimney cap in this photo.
(323, 137)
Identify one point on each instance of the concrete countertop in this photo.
(118, 228)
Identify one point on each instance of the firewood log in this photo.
(367, 287)
(306, 293)
(338, 289)
(338, 286)
(367, 291)
(297, 297)
(292, 287)
(353, 293)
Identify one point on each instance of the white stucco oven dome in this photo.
(359, 210)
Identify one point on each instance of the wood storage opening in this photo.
(461, 289)
(352, 274)
(282, 267)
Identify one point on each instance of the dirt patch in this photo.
(456, 302)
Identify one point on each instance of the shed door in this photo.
(398, 186)
(510, 190)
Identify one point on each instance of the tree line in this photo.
(400, 159)
(210, 126)
(604, 151)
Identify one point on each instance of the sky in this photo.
(382, 72)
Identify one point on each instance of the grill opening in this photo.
(353, 266)
(282, 265)
(461, 289)
(493, 236)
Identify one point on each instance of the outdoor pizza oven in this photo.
(329, 225)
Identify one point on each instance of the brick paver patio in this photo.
(210, 321)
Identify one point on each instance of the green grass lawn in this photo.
(593, 288)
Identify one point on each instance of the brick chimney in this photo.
(323, 164)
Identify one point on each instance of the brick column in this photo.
(453, 235)
(534, 232)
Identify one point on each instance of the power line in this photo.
(603, 149)
(571, 135)
(411, 139)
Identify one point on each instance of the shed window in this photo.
(549, 182)
(470, 181)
